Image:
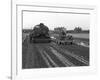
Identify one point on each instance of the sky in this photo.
(52, 20)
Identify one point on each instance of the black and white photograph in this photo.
(50, 40)
(53, 39)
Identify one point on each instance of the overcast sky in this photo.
(52, 20)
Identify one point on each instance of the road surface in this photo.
(47, 55)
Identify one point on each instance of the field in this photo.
(80, 35)
(46, 55)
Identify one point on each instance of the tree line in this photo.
(76, 29)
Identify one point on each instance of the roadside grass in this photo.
(82, 39)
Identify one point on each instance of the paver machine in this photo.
(40, 34)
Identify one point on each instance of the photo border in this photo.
(22, 25)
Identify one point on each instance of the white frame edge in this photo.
(15, 35)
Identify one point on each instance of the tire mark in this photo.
(54, 58)
(81, 59)
(43, 56)
(55, 65)
(61, 58)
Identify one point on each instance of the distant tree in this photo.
(60, 29)
(77, 29)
